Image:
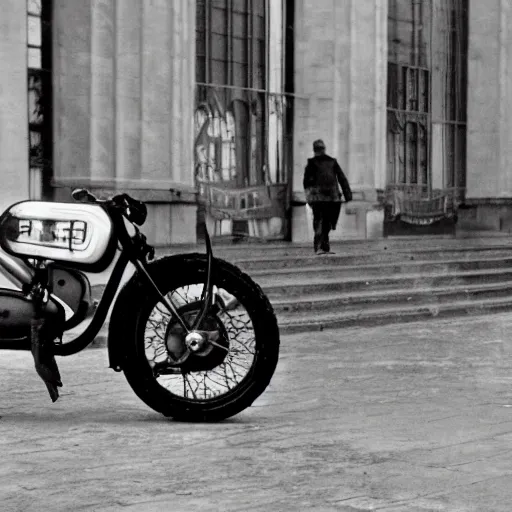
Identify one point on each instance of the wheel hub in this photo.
(195, 341)
(197, 350)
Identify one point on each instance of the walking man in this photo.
(321, 178)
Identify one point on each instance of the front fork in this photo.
(194, 338)
(207, 294)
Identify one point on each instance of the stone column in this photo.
(486, 113)
(505, 97)
(489, 154)
(124, 105)
(13, 104)
(489, 132)
(341, 56)
(72, 92)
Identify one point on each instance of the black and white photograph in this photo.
(255, 255)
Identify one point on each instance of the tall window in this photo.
(231, 42)
(427, 80)
(243, 133)
(39, 55)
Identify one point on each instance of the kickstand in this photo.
(44, 359)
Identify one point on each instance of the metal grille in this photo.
(39, 51)
(243, 116)
(231, 42)
(427, 79)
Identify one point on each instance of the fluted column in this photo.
(72, 91)
(13, 104)
(505, 96)
(124, 93)
(129, 89)
(489, 153)
(167, 84)
(368, 39)
(84, 92)
(103, 89)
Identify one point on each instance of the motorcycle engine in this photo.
(73, 289)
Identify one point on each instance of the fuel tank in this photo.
(81, 235)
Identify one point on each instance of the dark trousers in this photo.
(325, 216)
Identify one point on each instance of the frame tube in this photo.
(87, 337)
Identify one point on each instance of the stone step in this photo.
(478, 301)
(371, 283)
(384, 269)
(249, 251)
(391, 314)
(345, 302)
(398, 243)
(380, 307)
(299, 285)
(272, 262)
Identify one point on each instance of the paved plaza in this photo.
(401, 418)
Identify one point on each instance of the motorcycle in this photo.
(196, 338)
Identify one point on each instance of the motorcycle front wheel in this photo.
(225, 375)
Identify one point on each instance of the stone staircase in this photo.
(367, 283)
(372, 283)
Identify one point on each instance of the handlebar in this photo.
(133, 209)
(84, 196)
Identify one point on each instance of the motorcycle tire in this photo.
(137, 302)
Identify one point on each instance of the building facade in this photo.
(207, 109)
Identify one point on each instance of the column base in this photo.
(361, 219)
(357, 221)
(302, 224)
(171, 224)
(167, 223)
(486, 214)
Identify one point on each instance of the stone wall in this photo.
(489, 153)
(341, 54)
(13, 103)
(124, 82)
(123, 106)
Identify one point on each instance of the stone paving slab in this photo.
(401, 418)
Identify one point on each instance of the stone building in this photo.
(207, 108)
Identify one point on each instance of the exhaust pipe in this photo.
(15, 270)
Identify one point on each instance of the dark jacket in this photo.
(321, 178)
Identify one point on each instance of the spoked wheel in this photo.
(213, 373)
